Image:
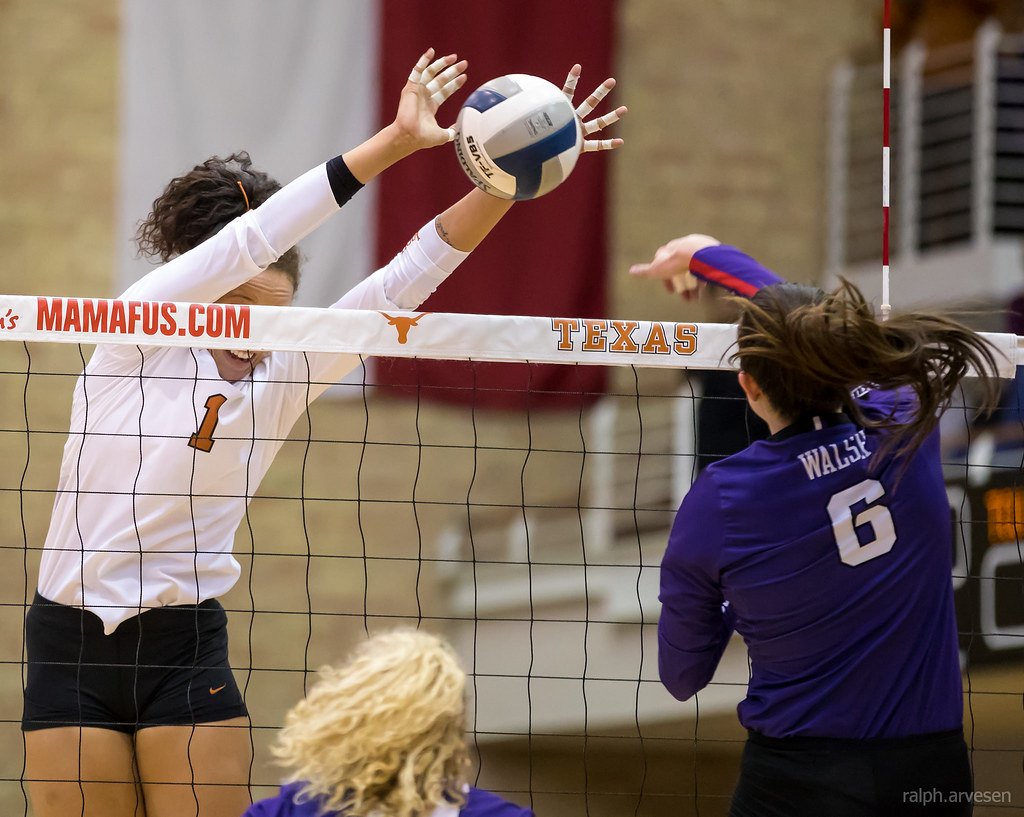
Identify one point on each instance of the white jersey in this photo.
(142, 519)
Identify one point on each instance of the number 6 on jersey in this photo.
(844, 524)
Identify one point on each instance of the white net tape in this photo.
(433, 335)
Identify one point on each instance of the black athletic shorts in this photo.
(165, 667)
(919, 776)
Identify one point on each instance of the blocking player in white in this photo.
(130, 705)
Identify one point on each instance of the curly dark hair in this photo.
(199, 203)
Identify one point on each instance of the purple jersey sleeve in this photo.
(695, 622)
(732, 269)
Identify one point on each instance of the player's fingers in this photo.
(436, 67)
(451, 134)
(644, 270)
(446, 76)
(594, 125)
(569, 89)
(592, 101)
(448, 89)
(417, 71)
(592, 145)
(658, 267)
(685, 294)
(684, 282)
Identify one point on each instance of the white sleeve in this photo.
(406, 282)
(244, 247)
(410, 277)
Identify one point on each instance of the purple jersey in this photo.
(479, 803)
(838, 577)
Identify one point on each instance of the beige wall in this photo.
(728, 102)
(726, 135)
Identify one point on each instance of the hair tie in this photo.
(244, 195)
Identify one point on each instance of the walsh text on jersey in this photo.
(827, 459)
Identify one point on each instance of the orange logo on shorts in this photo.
(218, 689)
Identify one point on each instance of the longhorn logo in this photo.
(402, 324)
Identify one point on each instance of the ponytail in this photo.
(807, 350)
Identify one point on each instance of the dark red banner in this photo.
(547, 257)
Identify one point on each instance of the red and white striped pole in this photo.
(886, 62)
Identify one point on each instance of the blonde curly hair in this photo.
(384, 733)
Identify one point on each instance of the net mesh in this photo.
(530, 538)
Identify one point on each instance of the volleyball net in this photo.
(530, 536)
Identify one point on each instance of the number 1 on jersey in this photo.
(203, 440)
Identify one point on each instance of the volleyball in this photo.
(518, 137)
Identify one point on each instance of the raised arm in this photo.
(443, 243)
(256, 239)
(467, 222)
(430, 257)
(683, 264)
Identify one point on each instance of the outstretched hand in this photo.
(584, 109)
(671, 264)
(430, 83)
(685, 264)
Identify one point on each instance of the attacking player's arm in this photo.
(695, 260)
(684, 264)
(695, 622)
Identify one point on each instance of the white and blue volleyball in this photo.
(518, 137)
